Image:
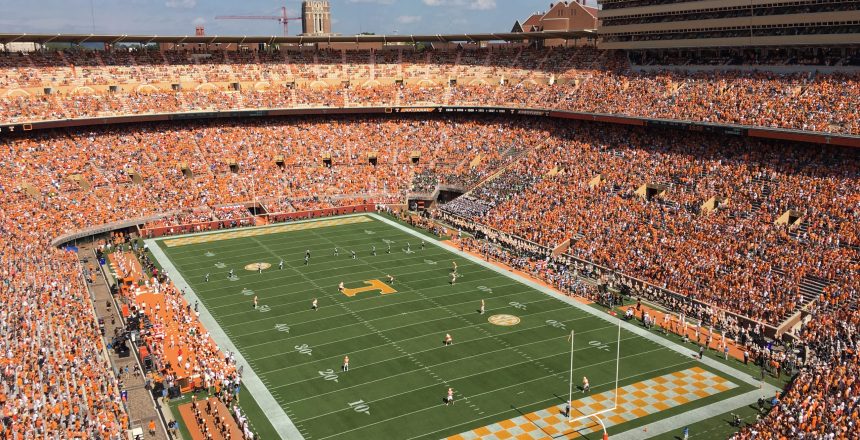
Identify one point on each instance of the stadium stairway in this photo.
(799, 232)
(811, 287)
(515, 155)
(765, 194)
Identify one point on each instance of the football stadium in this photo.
(627, 219)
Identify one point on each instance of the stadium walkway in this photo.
(139, 402)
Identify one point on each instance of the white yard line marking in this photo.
(303, 335)
(490, 392)
(434, 365)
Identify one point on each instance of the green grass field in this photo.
(400, 369)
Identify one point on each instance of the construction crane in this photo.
(283, 18)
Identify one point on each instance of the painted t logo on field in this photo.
(372, 285)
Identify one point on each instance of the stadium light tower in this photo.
(283, 18)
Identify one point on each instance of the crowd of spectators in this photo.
(579, 79)
(57, 381)
(56, 378)
(585, 187)
(822, 402)
(577, 182)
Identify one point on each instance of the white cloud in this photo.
(408, 19)
(479, 5)
(184, 4)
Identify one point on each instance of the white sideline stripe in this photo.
(679, 421)
(279, 419)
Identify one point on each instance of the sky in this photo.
(179, 17)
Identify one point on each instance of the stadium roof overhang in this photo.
(240, 39)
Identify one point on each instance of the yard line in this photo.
(434, 365)
(395, 343)
(304, 275)
(351, 302)
(236, 252)
(207, 269)
(470, 422)
(377, 319)
(364, 310)
(418, 337)
(481, 329)
(565, 353)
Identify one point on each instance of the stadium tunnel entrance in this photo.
(441, 196)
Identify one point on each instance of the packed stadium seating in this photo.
(551, 195)
(540, 182)
(822, 400)
(579, 79)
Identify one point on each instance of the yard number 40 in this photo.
(360, 406)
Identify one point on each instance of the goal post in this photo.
(596, 415)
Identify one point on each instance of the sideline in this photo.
(285, 427)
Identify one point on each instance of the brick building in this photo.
(561, 16)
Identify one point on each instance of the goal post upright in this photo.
(596, 415)
(570, 389)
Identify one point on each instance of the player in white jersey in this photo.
(482, 307)
(314, 305)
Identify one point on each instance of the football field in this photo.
(509, 367)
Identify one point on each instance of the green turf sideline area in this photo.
(400, 369)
